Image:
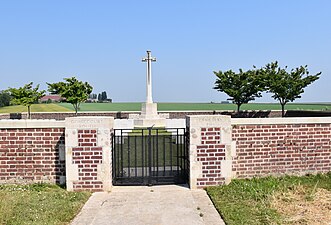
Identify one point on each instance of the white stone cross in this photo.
(149, 59)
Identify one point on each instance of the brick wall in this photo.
(210, 154)
(275, 149)
(87, 155)
(222, 148)
(31, 155)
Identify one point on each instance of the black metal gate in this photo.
(149, 156)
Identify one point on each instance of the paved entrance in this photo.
(158, 205)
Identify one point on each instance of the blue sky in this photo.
(102, 42)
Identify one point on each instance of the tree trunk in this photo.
(238, 108)
(283, 109)
(76, 109)
(29, 112)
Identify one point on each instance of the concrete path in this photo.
(157, 205)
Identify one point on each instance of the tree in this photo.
(93, 96)
(73, 90)
(242, 87)
(287, 86)
(103, 96)
(4, 98)
(26, 95)
(99, 97)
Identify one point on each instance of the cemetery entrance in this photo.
(150, 156)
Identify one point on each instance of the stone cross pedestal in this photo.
(149, 116)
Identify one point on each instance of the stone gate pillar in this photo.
(210, 150)
(88, 153)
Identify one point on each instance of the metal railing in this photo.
(148, 156)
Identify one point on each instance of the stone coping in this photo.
(234, 121)
(285, 120)
(31, 124)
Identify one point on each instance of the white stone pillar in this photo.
(88, 153)
(210, 150)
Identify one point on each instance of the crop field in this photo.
(35, 108)
(136, 106)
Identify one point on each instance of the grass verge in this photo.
(39, 204)
(265, 200)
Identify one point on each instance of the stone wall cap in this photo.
(33, 123)
(284, 120)
(89, 122)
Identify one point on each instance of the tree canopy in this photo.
(245, 86)
(26, 95)
(242, 87)
(73, 90)
(287, 86)
(4, 98)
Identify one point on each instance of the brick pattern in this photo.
(281, 149)
(31, 155)
(210, 153)
(87, 156)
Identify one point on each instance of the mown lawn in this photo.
(39, 204)
(34, 108)
(284, 200)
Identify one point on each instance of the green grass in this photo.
(135, 106)
(248, 201)
(131, 151)
(34, 108)
(39, 204)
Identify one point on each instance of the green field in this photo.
(34, 108)
(135, 106)
(196, 106)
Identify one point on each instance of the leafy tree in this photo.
(26, 95)
(4, 98)
(73, 90)
(93, 96)
(242, 87)
(287, 86)
(103, 96)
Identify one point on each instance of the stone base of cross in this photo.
(149, 117)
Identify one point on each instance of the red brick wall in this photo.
(210, 153)
(281, 149)
(31, 155)
(87, 156)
